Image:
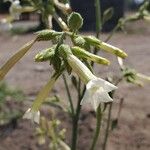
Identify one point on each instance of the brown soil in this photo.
(132, 132)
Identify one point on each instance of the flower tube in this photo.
(33, 113)
(97, 89)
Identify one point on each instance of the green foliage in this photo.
(75, 21)
(6, 91)
(8, 112)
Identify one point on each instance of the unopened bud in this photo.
(45, 55)
(112, 49)
(46, 35)
(79, 52)
(92, 40)
(104, 46)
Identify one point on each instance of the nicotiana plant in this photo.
(78, 58)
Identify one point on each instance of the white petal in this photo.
(95, 103)
(102, 83)
(104, 97)
(86, 98)
(109, 87)
(32, 115)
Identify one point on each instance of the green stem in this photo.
(98, 126)
(69, 95)
(98, 17)
(112, 33)
(76, 119)
(107, 127)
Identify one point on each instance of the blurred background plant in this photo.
(10, 106)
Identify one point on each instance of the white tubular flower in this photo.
(80, 69)
(97, 92)
(34, 116)
(33, 113)
(15, 9)
(96, 88)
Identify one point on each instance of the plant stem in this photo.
(98, 125)
(98, 17)
(69, 95)
(76, 119)
(107, 127)
(112, 33)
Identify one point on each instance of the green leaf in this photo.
(75, 21)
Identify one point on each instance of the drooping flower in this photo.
(33, 113)
(97, 91)
(34, 116)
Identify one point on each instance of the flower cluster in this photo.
(76, 58)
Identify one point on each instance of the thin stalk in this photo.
(98, 126)
(112, 33)
(107, 127)
(98, 17)
(76, 119)
(69, 95)
(109, 118)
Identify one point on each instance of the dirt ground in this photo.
(133, 131)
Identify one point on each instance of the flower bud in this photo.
(79, 52)
(92, 40)
(112, 49)
(45, 55)
(46, 35)
(75, 21)
(104, 46)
